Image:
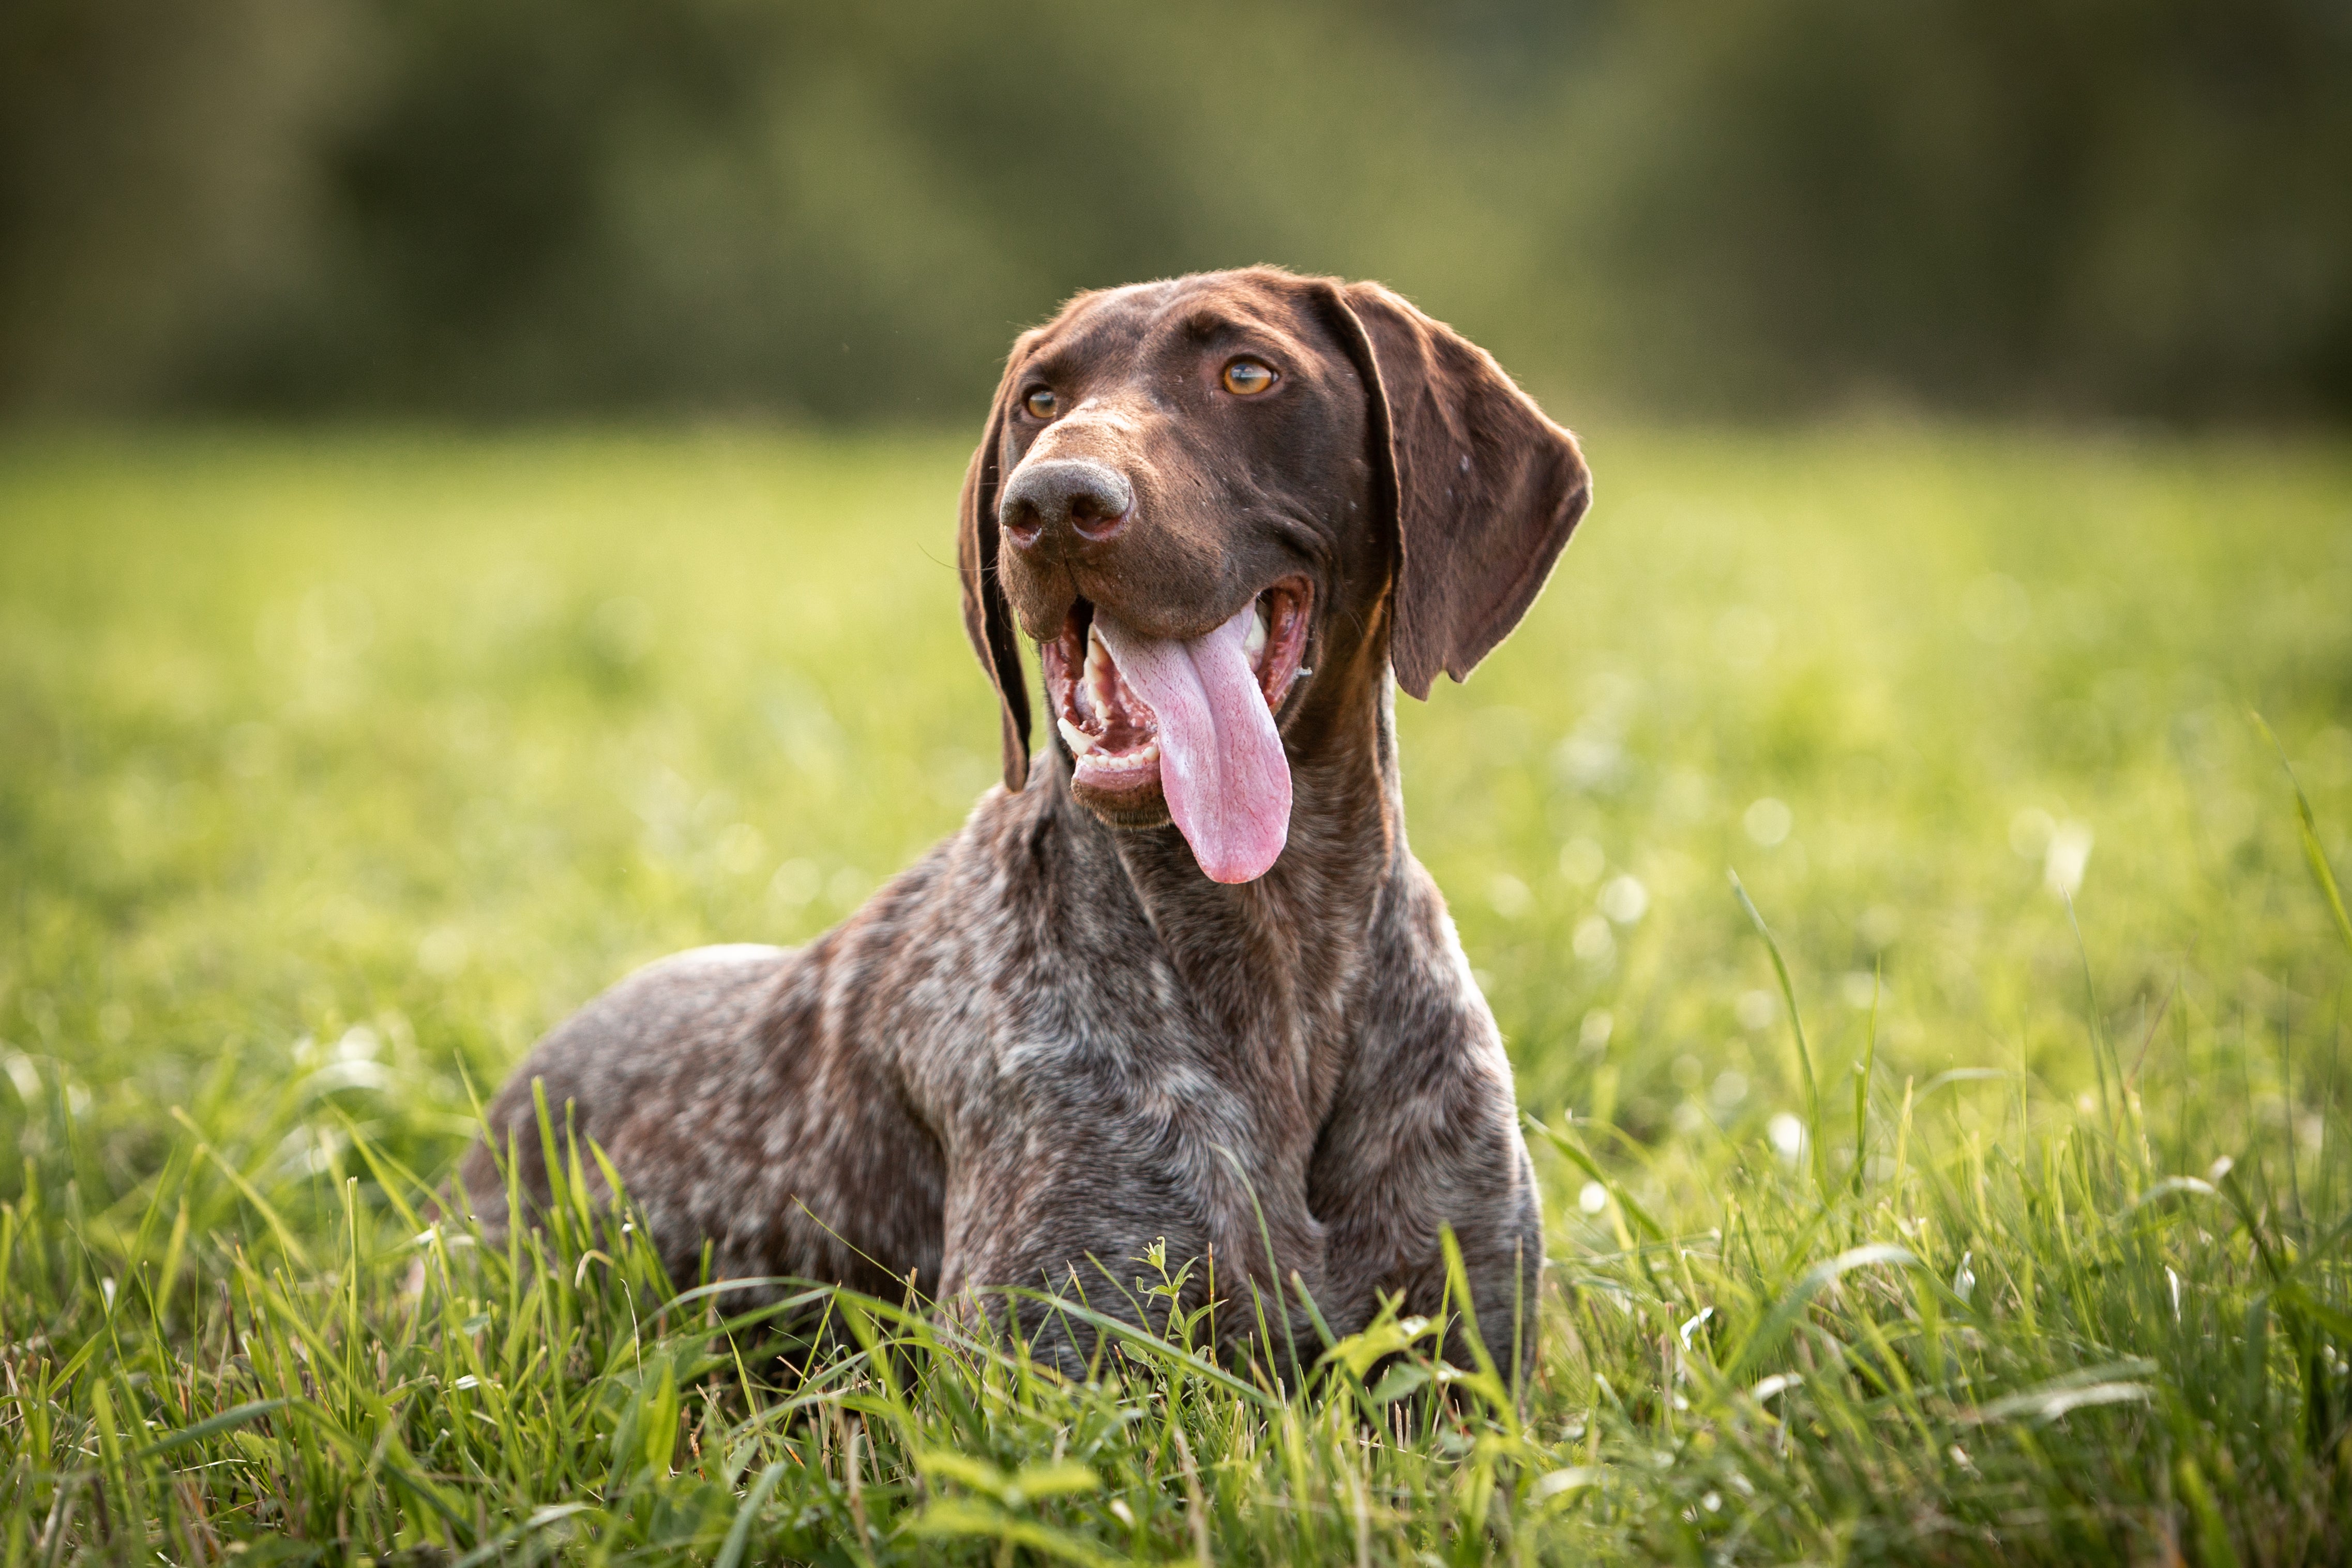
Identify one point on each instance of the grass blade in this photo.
(2313, 855)
(1797, 1026)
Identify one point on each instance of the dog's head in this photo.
(1213, 500)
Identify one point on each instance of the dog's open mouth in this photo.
(1187, 720)
(1113, 734)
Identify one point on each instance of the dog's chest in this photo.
(1106, 1033)
(1113, 1028)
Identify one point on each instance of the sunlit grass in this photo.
(336, 771)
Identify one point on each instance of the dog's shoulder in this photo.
(1426, 1016)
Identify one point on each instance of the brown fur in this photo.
(1053, 1040)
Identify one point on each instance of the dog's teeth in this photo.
(1143, 759)
(1100, 672)
(1080, 742)
(1254, 645)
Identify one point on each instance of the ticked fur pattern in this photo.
(1053, 1043)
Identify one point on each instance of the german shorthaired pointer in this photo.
(1181, 971)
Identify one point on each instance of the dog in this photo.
(1180, 981)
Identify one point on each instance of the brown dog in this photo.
(1182, 971)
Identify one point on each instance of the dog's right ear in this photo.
(987, 614)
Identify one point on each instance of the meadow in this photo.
(1966, 1183)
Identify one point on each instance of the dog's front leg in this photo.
(1423, 1138)
(1114, 1225)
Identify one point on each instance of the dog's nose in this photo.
(1057, 493)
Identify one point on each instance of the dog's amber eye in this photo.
(1042, 403)
(1247, 378)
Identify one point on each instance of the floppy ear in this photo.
(1483, 489)
(987, 615)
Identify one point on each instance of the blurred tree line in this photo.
(1717, 208)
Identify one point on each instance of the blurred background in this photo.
(2106, 209)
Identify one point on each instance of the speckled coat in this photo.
(1053, 1042)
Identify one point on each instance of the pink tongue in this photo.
(1221, 760)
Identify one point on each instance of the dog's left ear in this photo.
(1483, 489)
(987, 614)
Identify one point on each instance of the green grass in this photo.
(333, 770)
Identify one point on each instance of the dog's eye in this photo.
(1247, 378)
(1042, 403)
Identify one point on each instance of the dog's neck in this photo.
(1275, 964)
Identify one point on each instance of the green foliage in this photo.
(340, 769)
(843, 212)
